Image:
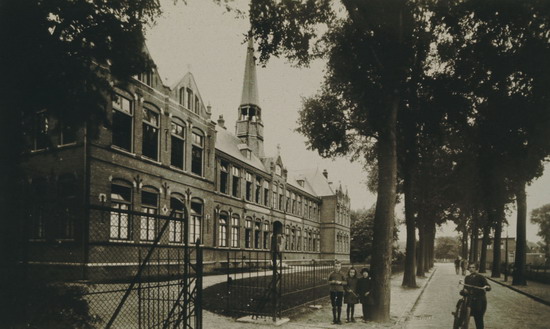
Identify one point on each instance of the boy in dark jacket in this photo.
(479, 301)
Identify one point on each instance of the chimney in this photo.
(325, 173)
(221, 121)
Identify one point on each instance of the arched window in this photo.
(122, 122)
(275, 195)
(121, 203)
(175, 228)
(235, 231)
(197, 153)
(195, 222)
(189, 99)
(222, 230)
(149, 206)
(266, 193)
(177, 152)
(181, 94)
(281, 197)
(299, 239)
(257, 234)
(287, 238)
(318, 241)
(258, 190)
(288, 202)
(266, 235)
(151, 126)
(278, 170)
(293, 239)
(197, 105)
(248, 233)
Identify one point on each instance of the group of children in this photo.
(353, 289)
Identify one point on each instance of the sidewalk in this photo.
(535, 290)
(402, 302)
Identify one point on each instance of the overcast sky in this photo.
(206, 40)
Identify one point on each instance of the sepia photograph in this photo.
(244, 164)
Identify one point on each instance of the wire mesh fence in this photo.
(145, 272)
(133, 269)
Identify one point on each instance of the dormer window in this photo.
(146, 78)
(182, 96)
(189, 99)
(301, 182)
(197, 107)
(278, 170)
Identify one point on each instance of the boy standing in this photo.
(336, 281)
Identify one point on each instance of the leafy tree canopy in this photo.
(541, 217)
(446, 247)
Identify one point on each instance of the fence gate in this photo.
(261, 284)
(162, 287)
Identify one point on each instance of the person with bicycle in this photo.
(476, 285)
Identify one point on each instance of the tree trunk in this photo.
(420, 269)
(519, 266)
(499, 217)
(431, 245)
(384, 214)
(409, 273)
(475, 236)
(427, 244)
(464, 251)
(484, 241)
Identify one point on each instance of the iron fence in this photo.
(263, 284)
(133, 269)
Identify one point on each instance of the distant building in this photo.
(490, 249)
(531, 256)
(163, 153)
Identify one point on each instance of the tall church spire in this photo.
(250, 84)
(249, 127)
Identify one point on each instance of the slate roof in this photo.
(314, 181)
(250, 82)
(229, 144)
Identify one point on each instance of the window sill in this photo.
(123, 151)
(121, 241)
(64, 240)
(62, 146)
(153, 161)
(178, 169)
(39, 151)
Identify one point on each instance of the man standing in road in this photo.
(479, 300)
(457, 265)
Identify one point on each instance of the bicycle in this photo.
(463, 307)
